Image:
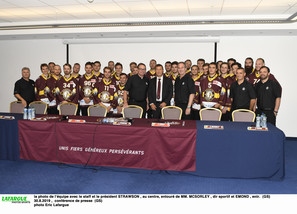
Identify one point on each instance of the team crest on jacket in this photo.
(209, 94)
(66, 93)
(120, 100)
(87, 91)
(105, 96)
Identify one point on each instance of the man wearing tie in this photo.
(159, 92)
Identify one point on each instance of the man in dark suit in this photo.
(159, 92)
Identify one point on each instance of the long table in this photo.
(233, 152)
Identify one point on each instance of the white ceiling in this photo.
(56, 10)
(42, 12)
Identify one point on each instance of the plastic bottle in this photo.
(261, 121)
(29, 113)
(264, 121)
(258, 121)
(33, 112)
(25, 116)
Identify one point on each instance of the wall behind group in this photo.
(278, 52)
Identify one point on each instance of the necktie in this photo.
(159, 89)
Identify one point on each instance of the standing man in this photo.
(104, 92)
(41, 89)
(137, 86)
(242, 93)
(132, 66)
(268, 96)
(51, 84)
(152, 72)
(213, 89)
(66, 87)
(119, 96)
(228, 80)
(231, 61)
(184, 91)
(196, 102)
(24, 88)
(86, 86)
(159, 92)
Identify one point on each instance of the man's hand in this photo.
(125, 105)
(119, 109)
(216, 105)
(87, 100)
(153, 107)
(224, 110)
(162, 105)
(24, 103)
(188, 111)
(108, 108)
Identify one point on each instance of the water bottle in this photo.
(264, 121)
(261, 121)
(29, 113)
(258, 121)
(33, 112)
(25, 116)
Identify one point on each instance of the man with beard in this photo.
(268, 96)
(132, 66)
(86, 86)
(249, 66)
(168, 69)
(111, 66)
(152, 72)
(75, 71)
(66, 87)
(254, 77)
(197, 77)
(226, 111)
(51, 84)
(104, 92)
(188, 64)
(119, 95)
(51, 66)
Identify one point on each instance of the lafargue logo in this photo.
(15, 199)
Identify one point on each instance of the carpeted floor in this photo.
(29, 177)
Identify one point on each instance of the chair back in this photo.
(68, 109)
(210, 114)
(40, 107)
(97, 111)
(132, 111)
(243, 115)
(16, 107)
(171, 113)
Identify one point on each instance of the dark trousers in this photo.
(52, 110)
(269, 114)
(183, 106)
(142, 104)
(84, 110)
(155, 114)
(227, 116)
(78, 111)
(195, 114)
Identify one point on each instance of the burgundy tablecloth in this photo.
(137, 146)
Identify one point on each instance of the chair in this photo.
(132, 111)
(171, 113)
(40, 107)
(68, 109)
(210, 114)
(97, 111)
(16, 107)
(243, 115)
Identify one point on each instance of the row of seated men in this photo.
(211, 86)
